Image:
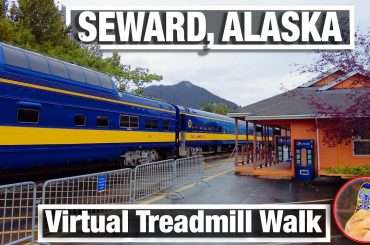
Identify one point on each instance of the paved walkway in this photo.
(223, 186)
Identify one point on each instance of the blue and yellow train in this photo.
(57, 114)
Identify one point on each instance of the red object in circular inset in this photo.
(335, 204)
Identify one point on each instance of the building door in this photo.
(304, 159)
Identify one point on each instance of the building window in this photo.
(166, 125)
(151, 124)
(26, 115)
(361, 142)
(361, 147)
(80, 120)
(102, 121)
(129, 121)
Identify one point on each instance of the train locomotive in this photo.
(59, 115)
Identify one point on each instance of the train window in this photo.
(76, 73)
(129, 121)
(26, 115)
(105, 81)
(166, 125)
(80, 120)
(134, 122)
(58, 69)
(102, 121)
(38, 63)
(151, 124)
(124, 122)
(92, 78)
(15, 57)
(154, 124)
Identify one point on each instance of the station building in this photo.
(301, 148)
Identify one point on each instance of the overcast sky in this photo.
(243, 77)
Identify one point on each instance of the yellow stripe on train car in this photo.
(213, 137)
(60, 136)
(83, 95)
(11, 135)
(208, 136)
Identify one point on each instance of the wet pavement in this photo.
(222, 186)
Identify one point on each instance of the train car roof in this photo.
(205, 114)
(146, 101)
(210, 115)
(26, 59)
(61, 70)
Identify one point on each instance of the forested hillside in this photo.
(187, 94)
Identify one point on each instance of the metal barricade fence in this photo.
(112, 187)
(18, 201)
(17, 212)
(152, 178)
(189, 170)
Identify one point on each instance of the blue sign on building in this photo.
(101, 183)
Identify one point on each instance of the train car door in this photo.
(182, 137)
(304, 159)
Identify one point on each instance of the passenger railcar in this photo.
(58, 114)
(202, 132)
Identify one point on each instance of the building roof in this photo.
(341, 79)
(302, 103)
(314, 81)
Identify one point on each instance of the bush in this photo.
(358, 170)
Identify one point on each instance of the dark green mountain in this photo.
(187, 94)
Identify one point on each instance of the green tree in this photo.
(43, 19)
(3, 8)
(133, 80)
(14, 12)
(219, 108)
(37, 25)
(140, 77)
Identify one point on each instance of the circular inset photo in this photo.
(352, 209)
